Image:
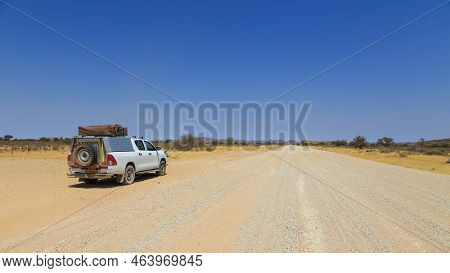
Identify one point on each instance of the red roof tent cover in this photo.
(103, 130)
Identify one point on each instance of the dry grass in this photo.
(433, 163)
(61, 154)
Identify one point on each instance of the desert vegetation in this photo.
(388, 145)
(430, 155)
(10, 145)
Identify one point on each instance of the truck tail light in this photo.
(69, 160)
(111, 160)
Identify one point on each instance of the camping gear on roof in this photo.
(103, 130)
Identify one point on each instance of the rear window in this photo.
(118, 144)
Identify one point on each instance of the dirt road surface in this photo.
(285, 200)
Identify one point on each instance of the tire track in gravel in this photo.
(393, 205)
(372, 187)
(237, 175)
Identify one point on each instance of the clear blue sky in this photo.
(228, 50)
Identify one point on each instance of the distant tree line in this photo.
(387, 144)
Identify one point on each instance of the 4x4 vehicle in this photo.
(96, 157)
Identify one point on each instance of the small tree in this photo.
(8, 137)
(359, 142)
(385, 141)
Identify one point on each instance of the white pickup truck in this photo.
(94, 158)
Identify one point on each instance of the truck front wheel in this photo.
(162, 168)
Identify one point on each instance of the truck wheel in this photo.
(129, 175)
(162, 169)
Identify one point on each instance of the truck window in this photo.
(140, 145)
(150, 146)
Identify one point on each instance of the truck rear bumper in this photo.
(90, 175)
(82, 173)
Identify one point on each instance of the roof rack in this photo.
(111, 130)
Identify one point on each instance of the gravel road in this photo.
(286, 200)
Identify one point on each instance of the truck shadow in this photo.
(111, 183)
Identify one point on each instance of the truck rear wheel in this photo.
(129, 175)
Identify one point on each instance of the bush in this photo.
(385, 141)
(359, 142)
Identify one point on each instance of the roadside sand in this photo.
(431, 163)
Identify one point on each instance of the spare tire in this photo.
(85, 155)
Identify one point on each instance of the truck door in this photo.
(141, 162)
(152, 155)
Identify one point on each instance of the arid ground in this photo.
(431, 163)
(279, 200)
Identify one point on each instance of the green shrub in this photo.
(385, 141)
(359, 142)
